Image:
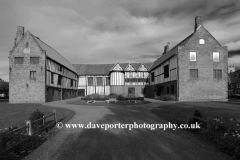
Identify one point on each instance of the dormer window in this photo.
(201, 41)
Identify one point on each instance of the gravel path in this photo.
(122, 144)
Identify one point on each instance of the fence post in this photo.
(29, 128)
(43, 120)
(3, 143)
(175, 116)
(188, 120)
(55, 116)
(208, 124)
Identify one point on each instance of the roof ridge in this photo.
(54, 50)
(165, 56)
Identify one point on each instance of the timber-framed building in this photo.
(194, 69)
(38, 73)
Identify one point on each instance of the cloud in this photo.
(109, 31)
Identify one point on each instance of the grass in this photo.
(213, 109)
(15, 114)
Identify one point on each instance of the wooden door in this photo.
(131, 92)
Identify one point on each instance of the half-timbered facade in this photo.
(128, 79)
(38, 73)
(195, 69)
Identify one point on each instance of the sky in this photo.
(111, 31)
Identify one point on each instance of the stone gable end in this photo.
(21, 86)
(205, 86)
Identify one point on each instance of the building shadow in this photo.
(124, 144)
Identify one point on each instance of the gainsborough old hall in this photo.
(195, 69)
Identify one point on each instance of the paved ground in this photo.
(122, 144)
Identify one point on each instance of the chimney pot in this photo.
(166, 48)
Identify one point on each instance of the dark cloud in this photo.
(106, 31)
(233, 53)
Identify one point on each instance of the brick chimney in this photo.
(166, 48)
(198, 22)
(19, 34)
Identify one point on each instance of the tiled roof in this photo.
(93, 69)
(235, 77)
(103, 69)
(170, 53)
(54, 55)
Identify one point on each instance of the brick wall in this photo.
(21, 88)
(204, 87)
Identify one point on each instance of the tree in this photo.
(4, 87)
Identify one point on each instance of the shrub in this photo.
(35, 116)
(120, 98)
(197, 113)
(112, 95)
(167, 97)
(95, 97)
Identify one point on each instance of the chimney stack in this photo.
(19, 35)
(198, 22)
(166, 48)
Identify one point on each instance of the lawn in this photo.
(213, 109)
(15, 114)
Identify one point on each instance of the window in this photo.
(99, 81)
(26, 45)
(217, 74)
(71, 83)
(18, 60)
(193, 56)
(52, 77)
(172, 88)
(107, 81)
(166, 71)
(26, 48)
(167, 89)
(216, 56)
(90, 81)
(130, 74)
(33, 75)
(59, 80)
(34, 60)
(60, 68)
(152, 77)
(193, 73)
(201, 41)
(238, 85)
